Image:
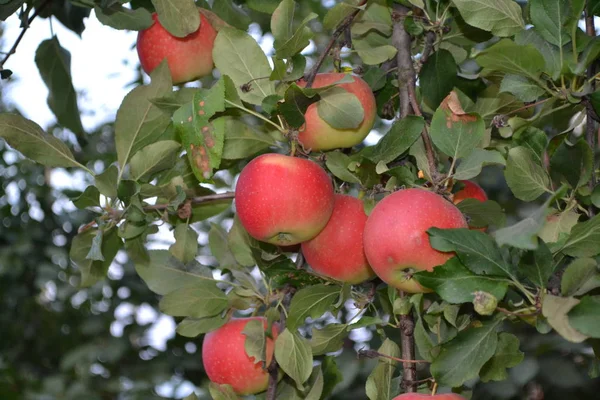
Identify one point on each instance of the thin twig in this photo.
(345, 24)
(376, 354)
(428, 47)
(590, 134)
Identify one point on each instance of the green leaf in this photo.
(164, 274)
(219, 247)
(535, 140)
(340, 108)
(294, 356)
(507, 355)
(573, 163)
(423, 341)
(526, 179)
(118, 17)
(555, 309)
(329, 339)
(295, 105)
(193, 327)
(106, 182)
(237, 55)
(557, 225)
(437, 77)
(549, 18)
(139, 122)
(472, 164)
(231, 13)
(336, 14)
(379, 382)
(27, 137)
(241, 244)
(185, 247)
(288, 42)
(538, 265)
(338, 163)
(501, 17)
(511, 58)
(456, 284)
(222, 392)
(584, 238)
(242, 140)
(153, 158)
(93, 271)
(375, 17)
(523, 234)
(54, 63)
(199, 299)
(585, 316)
(482, 213)
(550, 52)
(255, 343)
(374, 48)
(521, 87)
(178, 17)
(476, 250)
(331, 375)
(463, 357)
(316, 384)
(282, 19)
(312, 302)
(95, 253)
(456, 133)
(581, 276)
(89, 198)
(9, 8)
(397, 140)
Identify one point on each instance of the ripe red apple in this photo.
(226, 362)
(396, 240)
(338, 251)
(317, 134)
(283, 200)
(189, 57)
(422, 396)
(471, 190)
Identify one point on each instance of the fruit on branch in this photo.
(226, 362)
(317, 134)
(338, 251)
(283, 200)
(396, 240)
(471, 190)
(189, 57)
(423, 396)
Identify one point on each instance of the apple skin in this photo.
(283, 200)
(422, 396)
(226, 362)
(396, 237)
(189, 58)
(338, 251)
(317, 134)
(471, 190)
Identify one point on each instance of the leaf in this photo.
(340, 108)
(456, 284)
(557, 224)
(555, 309)
(193, 327)
(231, 13)
(329, 339)
(237, 55)
(241, 244)
(453, 131)
(222, 392)
(219, 247)
(550, 52)
(139, 122)
(538, 265)
(282, 19)
(573, 163)
(54, 64)
(118, 17)
(95, 253)
(293, 354)
(549, 18)
(585, 316)
(94, 271)
(482, 213)
(511, 58)
(28, 138)
(199, 299)
(521, 87)
(312, 302)
(379, 382)
(397, 140)
(185, 247)
(296, 102)
(476, 250)
(316, 384)
(89, 198)
(106, 182)
(255, 343)
(164, 274)
(535, 140)
(526, 179)
(501, 17)
(580, 277)
(462, 358)
(338, 163)
(438, 77)
(507, 355)
(287, 44)
(423, 340)
(336, 14)
(584, 238)
(242, 140)
(179, 17)
(523, 234)
(153, 158)
(472, 164)
(374, 48)
(375, 17)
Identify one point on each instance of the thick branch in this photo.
(590, 134)
(407, 343)
(341, 28)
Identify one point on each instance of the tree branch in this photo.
(375, 354)
(407, 343)
(341, 28)
(590, 134)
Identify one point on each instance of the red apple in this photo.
(283, 200)
(189, 57)
(422, 396)
(338, 252)
(395, 237)
(471, 190)
(226, 362)
(317, 134)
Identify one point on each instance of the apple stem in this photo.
(257, 115)
(434, 388)
(590, 134)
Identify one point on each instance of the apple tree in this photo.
(316, 233)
